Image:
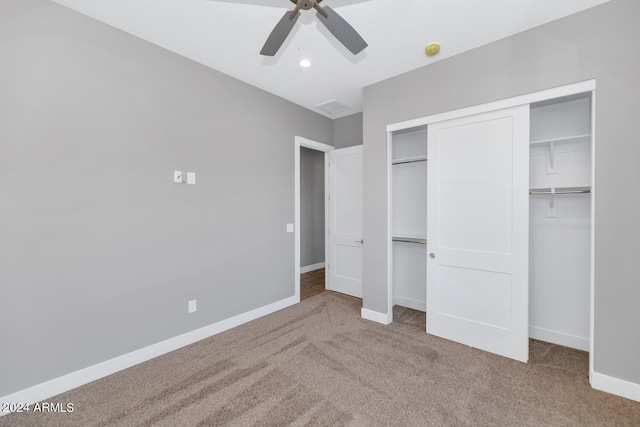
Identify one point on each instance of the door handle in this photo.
(360, 241)
(432, 255)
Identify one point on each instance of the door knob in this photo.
(432, 255)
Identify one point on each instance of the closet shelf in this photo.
(559, 191)
(406, 239)
(563, 140)
(409, 160)
(551, 145)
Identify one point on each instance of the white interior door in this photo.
(345, 221)
(477, 231)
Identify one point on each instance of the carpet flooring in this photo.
(319, 364)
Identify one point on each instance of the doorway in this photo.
(343, 244)
(312, 223)
(318, 147)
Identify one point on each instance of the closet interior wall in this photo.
(409, 217)
(560, 222)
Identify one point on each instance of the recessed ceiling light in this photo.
(305, 63)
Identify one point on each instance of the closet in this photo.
(493, 239)
(409, 217)
(560, 221)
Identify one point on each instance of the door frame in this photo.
(543, 95)
(299, 142)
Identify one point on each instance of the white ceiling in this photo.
(228, 34)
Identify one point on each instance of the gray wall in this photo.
(347, 131)
(99, 250)
(311, 207)
(598, 43)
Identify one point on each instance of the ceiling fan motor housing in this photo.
(305, 4)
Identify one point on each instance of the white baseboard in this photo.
(410, 303)
(555, 337)
(78, 378)
(615, 386)
(375, 316)
(311, 267)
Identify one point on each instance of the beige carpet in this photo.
(318, 363)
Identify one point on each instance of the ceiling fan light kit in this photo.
(336, 25)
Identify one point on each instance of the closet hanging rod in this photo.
(419, 242)
(560, 192)
(402, 162)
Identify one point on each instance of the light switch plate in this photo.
(191, 178)
(289, 228)
(177, 177)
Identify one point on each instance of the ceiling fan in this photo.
(336, 25)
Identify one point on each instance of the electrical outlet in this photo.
(289, 228)
(192, 306)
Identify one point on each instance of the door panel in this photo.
(477, 231)
(475, 295)
(345, 229)
(471, 183)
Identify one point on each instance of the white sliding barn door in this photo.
(477, 231)
(345, 221)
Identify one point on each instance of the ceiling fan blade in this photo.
(279, 34)
(320, 9)
(342, 31)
